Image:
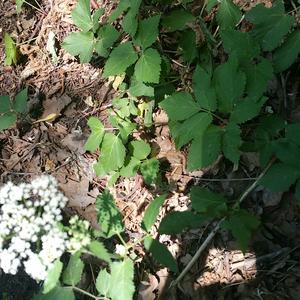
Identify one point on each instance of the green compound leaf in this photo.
(112, 152)
(53, 276)
(122, 6)
(287, 53)
(138, 89)
(103, 283)
(81, 15)
(228, 14)
(130, 22)
(231, 142)
(187, 43)
(4, 104)
(160, 253)
(180, 106)
(205, 93)
(58, 293)
(241, 224)
(177, 20)
(149, 169)
(270, 24)
(147, 31)
(148, 67)
(121, 280)
(230, 84)
(11, 53)
(205, 149)
(280, 177)
(120, 59)
(73, 271)
(130, 169)
(108, 215)
(208, 203)
(140, 149)
(293, 133)
(193, 127)
(7, 119)
(107, 35)
(20, 102)
(96, 135)
(176, 222)
(99, 250)
(80, 43)
(152, 212)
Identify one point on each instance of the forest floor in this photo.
(270, 269)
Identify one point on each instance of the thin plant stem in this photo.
(77, 289)
(34, 7)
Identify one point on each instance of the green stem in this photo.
(77, 289)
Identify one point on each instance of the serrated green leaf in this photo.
(122, 6)
(130, 169)
(231, 142)
(80, 43)
(4, 104)
(205, 149)
(280, 177)
(205, 93)
(103, 283)
(81, 15)
(121, 280)
(73, 271)
(177, 20)
(109, 217)
(176, 222)
(53, 276)
(7, 119)
(58, 293)
(147, 31)
(130, 22)
(20, 101)
(241, 224)
(11, 54)
(122, 104)
(19, 4)
(149, 169)
(99, 250)
(287, 53)
(180, 106)
(107, 35)
(187, 43)
(148, 67)
(96, 135)
(270, 24)
(208, 203)
(293, 133)
(138, 89)
(140, 149)
(125, 127)
(120, 59)
(193, 127)
(230, 84)
(95, 17)
(152, 212)
(228, 14)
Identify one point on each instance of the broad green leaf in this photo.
(73, 271)
(130, 22)
(4, 104)
(108, 215)
(210, 4)
(19, 4)
(80, 43)
(95, 17)
(148, 67)
(149, 169)
(125, 127)
(241, 224)
(152, 212)
(187, 43)
(208, 203)
(122, 6)
(231, 142)
(99, 250)
(140, 149)
(138, 89)
(193, 127)
(288, 153)
(11, 54)
(130, 169)
(53, 276)
(112, 152)
(107, 35)
(147, 31)
(7, 119)
(81, 15)
(96, 135)
(58, 293)
(205, 93)
(122, 105)
(228, 14)
(113, 179)
(121, 280)
(177, 20)
(160, 253)
(293, 133)
(103, 283)
(280, 177)
(180, 106)
(20, 101)
(287, 53)
(247, 109)
(120, 59)
(176, 222)
(205, 149)
(270, 24)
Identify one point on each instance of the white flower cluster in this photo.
(29, 234)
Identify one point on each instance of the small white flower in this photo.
(121, 250)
